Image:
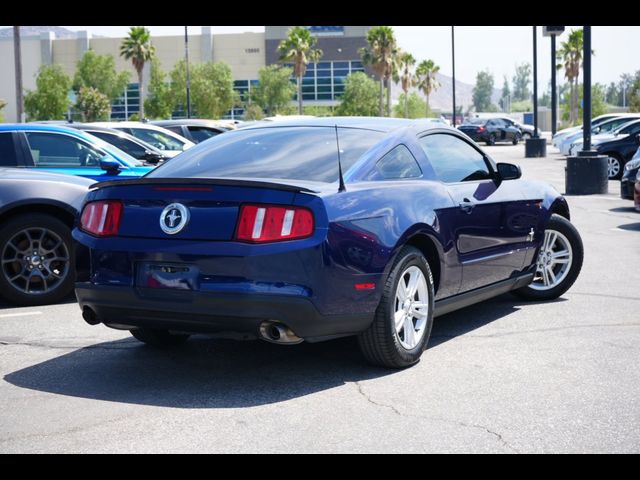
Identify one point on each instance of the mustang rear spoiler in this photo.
(234, 182)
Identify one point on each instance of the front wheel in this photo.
(516, 139)
(614, 167)
(559, 261)
(492, 139)
(403, 320)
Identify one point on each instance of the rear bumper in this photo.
(627, 188)
(203, 312)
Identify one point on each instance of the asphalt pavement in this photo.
(504, 376)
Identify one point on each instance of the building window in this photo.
(129, 103)
(325, 81)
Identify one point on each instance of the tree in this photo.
(427, 81)
(598, 103)
(50, 99)
(625, 84)
(381, 56)
(212, 93)
(483, 91)
(505, 98)
(570, 53)
(2, 105)
(274, 90)
(93, 104)
(416, 106)
(634, 94)
(405, 77)
(360, 98)
(253, 112)
(521, 81)
(298, 48)
(159, 103)
(137, 47)
(99, 72)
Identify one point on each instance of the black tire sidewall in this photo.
(12, 226)
(410, 257)
(562, 225)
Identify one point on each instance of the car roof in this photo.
(194, 122)
(380, 124)
(40, 127)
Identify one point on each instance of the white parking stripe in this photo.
(25, 314)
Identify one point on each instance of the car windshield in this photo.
(158, 139)
(296, 153)
(626, 128)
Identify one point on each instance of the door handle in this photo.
(467, 206)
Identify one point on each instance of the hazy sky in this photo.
(498, 49)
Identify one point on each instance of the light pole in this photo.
(453, 62)
(186, 55)
(553, 32)
(535, 146)
(17, 56)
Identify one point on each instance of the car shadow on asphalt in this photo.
(214, 373)
(634, 227)
(65, 301)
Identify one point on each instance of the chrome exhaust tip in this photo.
(278, 333)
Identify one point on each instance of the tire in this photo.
(537, 290)
(382, 344)
(516, 139)
(492, 139)
(615, 166)
(43, 278)
(526, 135)
(159, 338)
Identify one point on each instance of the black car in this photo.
(619, 147)
(195, 130)
(631, 170)
(491, 130)
(527, 131)
(37, 213)
(127, 143)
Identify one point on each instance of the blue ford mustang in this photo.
(321, 228)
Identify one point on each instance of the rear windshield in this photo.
(296, 153)
(476, 121)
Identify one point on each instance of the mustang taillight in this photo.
(269, 223)
(102, 218)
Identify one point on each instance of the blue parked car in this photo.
(65, 150)
(309, 230)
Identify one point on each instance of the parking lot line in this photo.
(23, 314)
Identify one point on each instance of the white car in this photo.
(562, 134)
(169, 142)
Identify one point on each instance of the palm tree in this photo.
(137, 47)
(405, 76)
(427, 81)
(381, 56)
(570, 53)
(298, 48)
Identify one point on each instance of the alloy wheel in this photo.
(554, 261)
(411, 307)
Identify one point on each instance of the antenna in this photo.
(342, 188)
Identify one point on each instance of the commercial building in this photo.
(245, 53)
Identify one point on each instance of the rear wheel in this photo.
(36, 261)
(159, 338)
(559, 261)
(403, 320)
(516, 139)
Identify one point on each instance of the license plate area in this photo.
(168, 276)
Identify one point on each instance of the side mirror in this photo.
(152, 157)
(110, 165)
(508, 171)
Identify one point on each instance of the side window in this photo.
(59, 151)
(632, 129)
(453, 159)
(124, 144)
(175, 129)
(200, 134)
(7, 150)
(398, 163)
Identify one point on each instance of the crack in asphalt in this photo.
(64, 347)
(606, 295)
(395, 410)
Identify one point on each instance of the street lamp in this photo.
(453, 62)
(186, 55)
(553, 32)
(535, 146)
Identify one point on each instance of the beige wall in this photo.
(243, 52)
(31, 60)
(66, 54)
